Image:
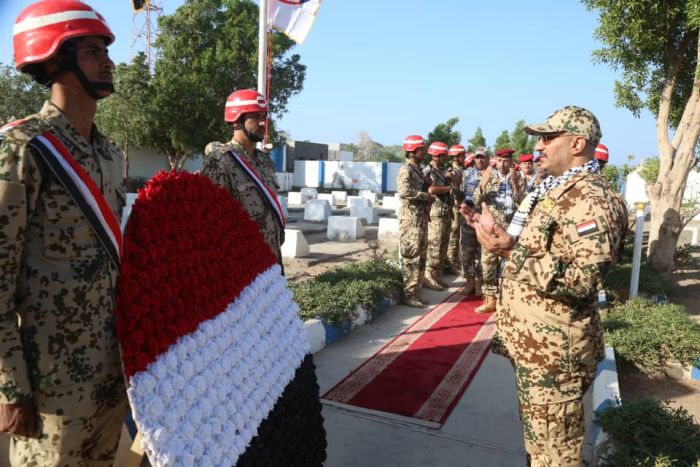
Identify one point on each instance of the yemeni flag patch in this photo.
(216, 358)
(587, 227)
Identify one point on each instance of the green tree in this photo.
(20, 95)
(613, 174)
(477, 141)
(446, 133)
(125, 115)
(207, 49)
(649, 170)
(655, 45)
(392, 153)
(521, 141)
(503, 141)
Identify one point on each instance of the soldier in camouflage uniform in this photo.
(471, 250)
(250, 178)
(560, 246)
(440, 216)
(247, 111)
(454, 257)
(501, 190)
(412, 187)
(527, 172)
(62, 394)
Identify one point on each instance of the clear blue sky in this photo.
(393, 68)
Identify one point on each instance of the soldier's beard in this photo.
(252, 136)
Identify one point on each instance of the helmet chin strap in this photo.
(92, 88)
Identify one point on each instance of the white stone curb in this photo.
(316, 334)
(606, 393)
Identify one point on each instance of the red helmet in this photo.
(437, 148)
(413, 142)
(601, 153)
(468, 159)
(43, 26)
(456, 150)
(243, 102)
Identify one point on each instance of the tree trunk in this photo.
(664, 231)
(126, 163)
(177, 161)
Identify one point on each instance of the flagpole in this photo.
(262, 49)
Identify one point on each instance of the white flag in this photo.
(294, 17)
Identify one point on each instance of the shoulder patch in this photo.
(586, 228)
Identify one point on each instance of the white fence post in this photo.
(637, 255)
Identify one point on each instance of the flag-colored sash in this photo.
(84, 192)
(266, 191)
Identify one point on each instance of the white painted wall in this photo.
(392, 174)
(306, 173)
(193, 164)
(145, 162)
(635, 188)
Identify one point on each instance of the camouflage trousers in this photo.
(80, 426)
(490, 265)
(438, 238)
(413, 243)
(553, 433)
(454, 253)
(471, 251)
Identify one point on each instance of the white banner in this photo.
(294, 17)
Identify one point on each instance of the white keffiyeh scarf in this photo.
(522, 215)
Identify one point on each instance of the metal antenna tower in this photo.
(144, 28)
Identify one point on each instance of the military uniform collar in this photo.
(557, 191)
(57, 119)
(241, 151)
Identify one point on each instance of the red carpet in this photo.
(422, 372)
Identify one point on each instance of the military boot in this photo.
(430, 282)
(470, 285)
(489, 305)
(442, 283)
(477, 286)
(421, 299)
(412, 300)
(454, 270)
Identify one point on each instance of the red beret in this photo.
(506, 152)
(525, 158)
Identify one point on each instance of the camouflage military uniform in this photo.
(468, 244)
(413, 225)
(547, 313)
(57, 290)
(529, 181)
(487, 193)
(454, 256)
(221, 168)
(439, 225)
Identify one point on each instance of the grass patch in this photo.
(651, 282)
(334, 295)
(650, 433)
(650, 335)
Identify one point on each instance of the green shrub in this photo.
(651, 335)
(334, 295)
(651, 282)
(650, 433)
(683, 256)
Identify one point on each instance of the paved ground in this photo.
(482, 430)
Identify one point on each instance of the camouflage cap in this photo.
(572, 120)
(480, 151)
